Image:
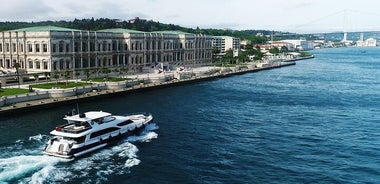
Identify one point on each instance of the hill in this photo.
(140, 25)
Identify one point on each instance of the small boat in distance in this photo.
(92, 130)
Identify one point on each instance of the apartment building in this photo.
(225, 43)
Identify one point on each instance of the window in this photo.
(92, 46)
(7, 47)
(30, 47)
(84, 46)
(54, 65)
(125, 123)
(37, 47)
(54, 49)
(80, 140)
(38, 66)
(7, 63)
(45, 65)
(102, 132)
(1, 47)
(76, 46)
(14, 48)
(67, 47)
(44, 47)
(61, 47)
(21, 47)
(30, 64)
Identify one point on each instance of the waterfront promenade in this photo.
(97, 94)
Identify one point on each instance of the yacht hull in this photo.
(58, 148)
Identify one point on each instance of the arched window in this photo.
(61, 64)
(30, 47)
(38, 64)
(37, 46)
(44, 47)
(45, 64)
(30, 64)
(61, 46)
(104, 46)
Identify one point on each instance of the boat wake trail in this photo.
(23, 161)
(19, 167)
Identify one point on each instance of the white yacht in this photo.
(92, 130)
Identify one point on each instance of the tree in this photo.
(258, 54)
(87, 73)
(124, 70)
(56, 76)
(35, 75)
(215, 52)
(229, 56)
(17, 66)
(46, 74)
(242, 57)
(274, 50)
(106, 71)
(77, 74)
(67, 76)
(284, 49)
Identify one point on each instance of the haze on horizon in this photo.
(300, 16)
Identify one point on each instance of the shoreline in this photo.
(9, 110)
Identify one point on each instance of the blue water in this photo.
(315, 122)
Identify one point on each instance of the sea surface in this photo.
(315, 122)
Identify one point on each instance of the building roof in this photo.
(223, 37)
(171, 32)
(43, 28)
(120, 30)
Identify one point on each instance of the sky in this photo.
(300, 16)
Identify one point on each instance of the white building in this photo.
(280, 44)
(370, 42)
(225, 43)
(301, 44)
(50, 48)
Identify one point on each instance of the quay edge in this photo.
(11, 110)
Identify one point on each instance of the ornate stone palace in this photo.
(50, 48)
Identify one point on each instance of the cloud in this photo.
(24, 10)
(237, 14)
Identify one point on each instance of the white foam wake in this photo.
(146, 136)
(22, 162)
(17, 167)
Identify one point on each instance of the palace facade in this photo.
(50, 48)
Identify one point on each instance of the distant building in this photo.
(370, 42)
(50, 48)
(260, 34)
(225, 43)
(301, 44)
(135, 19)
(280, 44)
(244, 43)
